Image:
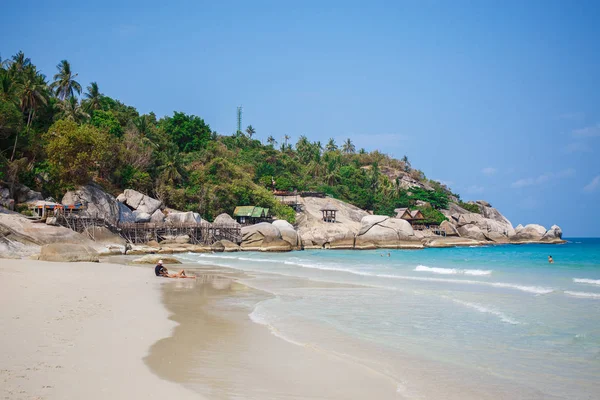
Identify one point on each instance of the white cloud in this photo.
(489, 171)
(593, 185)
(576, 147)
(474, 189)
(589, 131)
(543, 178)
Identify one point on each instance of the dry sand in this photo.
(81, 331)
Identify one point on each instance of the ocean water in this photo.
(498, 312)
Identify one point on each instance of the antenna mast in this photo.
(239, 119)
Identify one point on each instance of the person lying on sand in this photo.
(161, 271)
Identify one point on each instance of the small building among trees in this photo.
(414, 217)
(250, 215)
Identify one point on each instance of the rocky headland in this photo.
(354, 228)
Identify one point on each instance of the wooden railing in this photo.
(198, 233)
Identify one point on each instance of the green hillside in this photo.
(56, 134)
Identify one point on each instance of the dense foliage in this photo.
(51, 140)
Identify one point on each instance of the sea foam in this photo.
(588, 281)
(585, 295)
(486, 310)
(453, 271)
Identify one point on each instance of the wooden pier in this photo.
(139, 233)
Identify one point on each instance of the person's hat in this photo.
(160, 261)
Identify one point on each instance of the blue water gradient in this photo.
(500, 309)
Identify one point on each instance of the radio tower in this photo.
(239, 119)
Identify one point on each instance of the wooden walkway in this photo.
(138, 233)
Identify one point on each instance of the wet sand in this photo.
(216, 350)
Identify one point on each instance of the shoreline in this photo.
(144, 249)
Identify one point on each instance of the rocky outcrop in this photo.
(288, 233)
(158, 217)
(450, 228)
(153, 259)
(68, 252)
(529, 233)
(225, 219)
(380, 231)
(315, 233)
(188, 217)
(554, 234)
(441, 242)
(225, 246)
(23, 194)
(141, 216)
(263, 237)
(97, 203)
(139, 201)
(471, 231)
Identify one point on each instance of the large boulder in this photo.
(554, 234)
(157, 217)
(183, 218)
(139, 201)
(288, 233)
(25, 195)
(141, 216)
(471, 231)
(225, 219)
(68, 252)
(263, 237)
(450, 228)
(125, 213)
(225, 246)
(316, 233)
(381, 231)
(529, 233)
(155, 258)
(97, 202)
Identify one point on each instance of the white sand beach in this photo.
(80, 331)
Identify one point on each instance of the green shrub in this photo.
(474, 208)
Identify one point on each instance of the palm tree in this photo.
(8, 87)
(285, 143)
(407, 166)
(348, 147)
(331, 146)
(271, 140)
(92, 97)
(71, 110)
(32, 94)
(19, 63)
(64, 84)
(250, 131)
(362, 151)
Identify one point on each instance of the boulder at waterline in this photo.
(154, 259)
(381, 231)
(225, 219)
(263, 237)
(68, 252)
(288, 233)
(554, 234)
(225, 246)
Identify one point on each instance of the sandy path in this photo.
(80, 330)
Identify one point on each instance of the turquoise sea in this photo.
(500, 315)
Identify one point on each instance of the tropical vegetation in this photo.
(52, 140)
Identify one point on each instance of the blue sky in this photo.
(501, 100)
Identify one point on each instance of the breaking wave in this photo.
(585, 295)
(588, 281)
(453, 271)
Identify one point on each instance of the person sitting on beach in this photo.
(550, 260)
(161, 271)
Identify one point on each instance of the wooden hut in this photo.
(249, 215)
(329, 212)
(414, 217)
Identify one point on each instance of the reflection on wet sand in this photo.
(217, 351)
